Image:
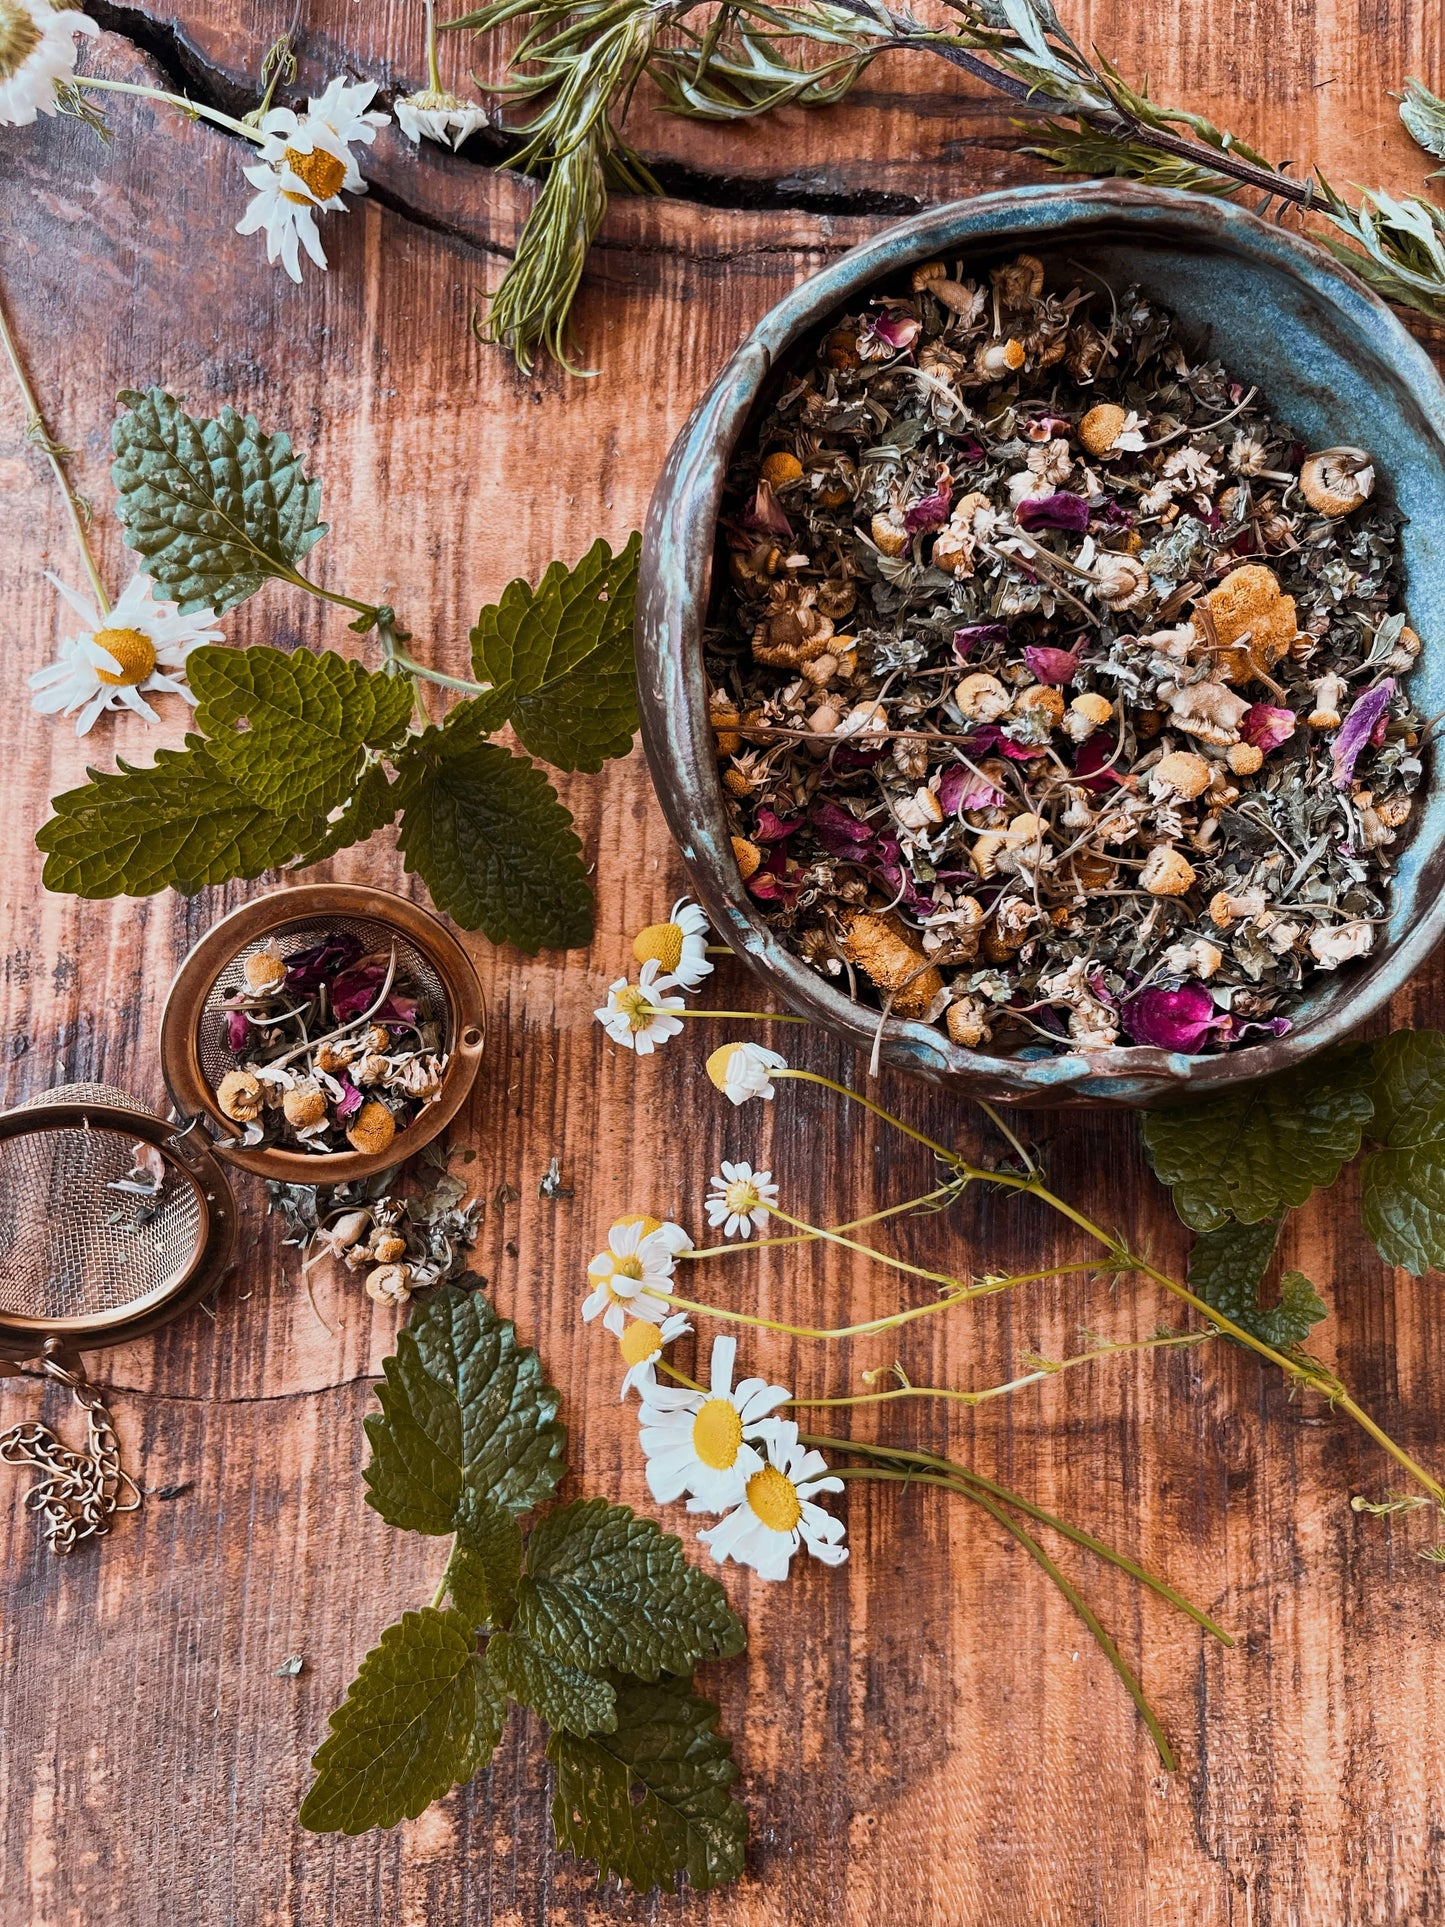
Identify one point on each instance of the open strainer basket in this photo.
(112, 1222)
(194, 1053)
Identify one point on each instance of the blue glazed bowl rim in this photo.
(676, 581)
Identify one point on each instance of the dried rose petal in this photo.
(1231, 1028)
(1043, 428)
(1112, 515)
(1062, 511)
(1266, 725)
(1357, 729)
(932, 511)
(766, 516)
(840, 832)
(237, 1030)
(1177, 1020)
(1089, 761)
(1054, 665)
(898, 330)
(978, 635)
(770, 828)
(350, 1100)
(308, 969)
(960, 789)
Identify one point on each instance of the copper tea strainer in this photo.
(113, 1221)
(194, 1056)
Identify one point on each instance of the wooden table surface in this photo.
(927, 1735)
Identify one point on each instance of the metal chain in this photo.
(81, 1492)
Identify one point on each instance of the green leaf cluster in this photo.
(1238, 1163)
(593, 1619)
(298, 755)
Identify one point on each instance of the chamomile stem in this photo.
(434, 72)
(193, 108)
(999, 1125)
(811, 1236)
(1167, 1342)
(881, 1257)
(986, 1287)
(753, 1016)
(929, 1469)
(1066, 1587)
(1298, 1371)
(36, 431)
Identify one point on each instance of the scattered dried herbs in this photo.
(1057, 685)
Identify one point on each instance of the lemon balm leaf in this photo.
(565, 1696)
(1403, 1200)
(1253, 1152)
(1227, 1268)
(560, 659)
(484, 830)
(181, 824)
(607, 1589)
(652, 1798)
(213, 507)
(465, 1410)
(421, 1715)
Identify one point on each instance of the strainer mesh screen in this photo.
(69, 1246)
(412, 965)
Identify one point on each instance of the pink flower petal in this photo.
(1177, 1020)
(1054, 665)
(1061, 511)
(1266, 725)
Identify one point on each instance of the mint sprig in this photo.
(299, 755)
(593, 1618)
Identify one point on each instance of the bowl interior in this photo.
(1329, 359)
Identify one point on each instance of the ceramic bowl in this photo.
(1329, 358)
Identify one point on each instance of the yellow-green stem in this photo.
(193, 108)
(37, 432)
(811, 1237)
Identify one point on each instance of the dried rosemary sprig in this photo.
(582, 65)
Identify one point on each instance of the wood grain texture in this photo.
(927, 1736)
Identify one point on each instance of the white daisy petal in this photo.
(140, 647)
(777, 1515)
(695, 1442)
(37, 49)
(741, 1071)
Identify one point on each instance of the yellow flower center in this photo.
(627, 1268)
(717, 1432)
(635, 1006)
(322, 173)
(641, 1341)
(662, 941)
(19, 37)
(649, 1225)
(774, 1499)
(741, 1197)
(717, 1064)
(135, 653)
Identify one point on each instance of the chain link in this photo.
(80, 1492)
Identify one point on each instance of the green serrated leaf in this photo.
(605, 1589)
(293, 731)
(1251, 1153)
(422, 1714)
(465, 1410)
(560, 658)
(212, 507)
(369, 809)
(565, 1696)
(1403, 1201)
(683, 1820)
(485, 1562)
(487, 835)
(180, 824)
(1226, 1270)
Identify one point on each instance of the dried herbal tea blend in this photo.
(1058, 688)
(334, 1050)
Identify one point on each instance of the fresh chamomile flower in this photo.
(679, 946)
(436, 115)
(636, 1265)
(698, 1442)
(641, 1346)
(777, 1513)
(740, 1199)
(637, 1014)
(37, 49)
(741, 1071)
(141, 646)
(306, 161)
